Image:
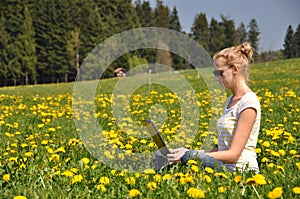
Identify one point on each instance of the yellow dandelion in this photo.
(281, 152)
(44, 142)
(67, 173)
(60, 149)
(259, 179)
(74, 170)
(157, 177)
(85, 160)
(192, 162)
(104, 180)
(101, 187)
(29, 154)
(41, 125)
(296, 190)
(184, 180)
(149, 171)
(151, 185)
(238, 178)
(275, 193)
(195, 168)
(195, 193)
(20, 197)
(266, 144)
(250, 181)
(209, 170)
(77, 178)
(258, 150)
(221, 175)
(293, 152)
(207, 178)
(134, 192)
(221, 189)
(166, 177)
(130, 180)
(298, 165)
(6, 177)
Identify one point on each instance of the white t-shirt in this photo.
(227, 124)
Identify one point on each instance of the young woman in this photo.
(239, 125)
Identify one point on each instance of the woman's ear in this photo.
(236, 68)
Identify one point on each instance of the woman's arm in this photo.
(240, 138)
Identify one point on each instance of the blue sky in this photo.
(273, 16)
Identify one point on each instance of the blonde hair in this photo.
(240, 55)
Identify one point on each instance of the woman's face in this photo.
(223, 73)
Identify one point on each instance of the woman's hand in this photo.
(175, 155)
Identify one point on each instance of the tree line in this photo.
(45, 41)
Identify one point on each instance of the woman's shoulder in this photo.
(250, 99)
(250, 96)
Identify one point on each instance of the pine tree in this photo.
(216, 41)
(241, 33)
(253, 37)
(161, 15)
(297, 41)
(174, 21)
(229, 31)
(289, 48)
(200, 31)
(27, 49)
(4, 38)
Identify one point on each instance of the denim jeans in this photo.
(206, 161)
(160, 161)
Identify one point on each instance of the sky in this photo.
(273, 16)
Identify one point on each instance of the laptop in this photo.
(157, 138)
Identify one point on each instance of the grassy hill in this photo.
(43, 154)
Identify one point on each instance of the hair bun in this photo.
(246, 49)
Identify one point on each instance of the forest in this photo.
(46, 41)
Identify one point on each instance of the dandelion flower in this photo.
(221, 189)
(151, 185)
(259, 179)
(195, 193)
(276, 193)
(130, 180)
(85, 160)
(77, 178)
(104, 180)
(6, 177)
(134, 192)
(20, 197)
(296, 190)
(101, 187)
(238, 178)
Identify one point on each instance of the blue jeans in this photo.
(160, 161)
(206, 161)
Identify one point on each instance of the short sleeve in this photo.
(250, 100)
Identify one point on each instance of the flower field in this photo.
(42, 155)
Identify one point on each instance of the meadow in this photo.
(43, 156)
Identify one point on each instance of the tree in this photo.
(200, 31)
(228, 31)
(253, 37)
(297, 41)
(216, 38)
(289, 49)
(174, 21)
(161, 15)
(4, 38)
(241, 33)
(144, 12)
(27, 48)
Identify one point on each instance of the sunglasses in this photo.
(219, 73)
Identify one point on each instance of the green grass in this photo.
(43, 156)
